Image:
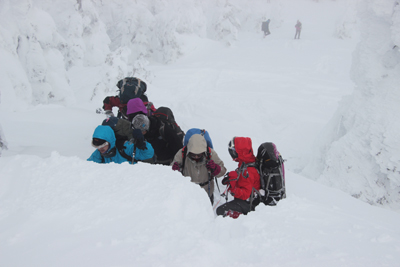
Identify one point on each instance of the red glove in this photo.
(176, 166)
(215, 169)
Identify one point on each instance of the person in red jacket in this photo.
(241, 181)
(113, 101)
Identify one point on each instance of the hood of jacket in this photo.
(136, 105)
(244, 149)
(197, 144)
(105, 132)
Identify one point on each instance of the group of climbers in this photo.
(140, 132)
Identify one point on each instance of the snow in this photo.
(321, 99)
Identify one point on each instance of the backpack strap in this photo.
(121, 149)
(161, 130)
(243, 168)
(184, 152)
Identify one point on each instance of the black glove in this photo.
(140, 143)
(225, 181)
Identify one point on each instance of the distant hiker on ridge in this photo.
(298, 29)
(265, 27)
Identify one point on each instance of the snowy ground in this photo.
(56, 209)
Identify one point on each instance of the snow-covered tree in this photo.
(225, 25)
(366, 128)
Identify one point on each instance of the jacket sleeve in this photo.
(218, 161)
(95, 157)
(232, 180)
(111, 101)
(242, 192)
(178, 157)
(141, 154)
(245, 187)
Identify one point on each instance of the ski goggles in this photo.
(100, 146)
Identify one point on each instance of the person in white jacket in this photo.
(199, 162)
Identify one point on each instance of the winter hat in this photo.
(135, 105)
(141, 122)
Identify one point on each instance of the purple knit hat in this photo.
(136, 105)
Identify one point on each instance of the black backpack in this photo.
(131, 87)
(165, 115)
(270, 166)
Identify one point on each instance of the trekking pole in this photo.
(133, 155)
(209, 186)
(216, 181)
(222, 195)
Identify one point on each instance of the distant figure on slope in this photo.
(3, 143)
(241, 181)
(200, 162)
(265, 27)
(298, 29)
(107, 151)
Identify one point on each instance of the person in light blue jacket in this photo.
(108, 151)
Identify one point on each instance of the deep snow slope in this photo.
(63, 211)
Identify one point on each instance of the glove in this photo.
(176, 166)
(109, 113)
(230, 178)
(225, 181)
(139, 139)
(215, 169)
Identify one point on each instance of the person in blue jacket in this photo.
(107, 151)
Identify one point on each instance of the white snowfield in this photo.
(57, 209)
(63, 211)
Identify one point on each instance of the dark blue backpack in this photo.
(130, 87)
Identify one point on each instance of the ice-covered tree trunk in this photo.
(360, 149)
